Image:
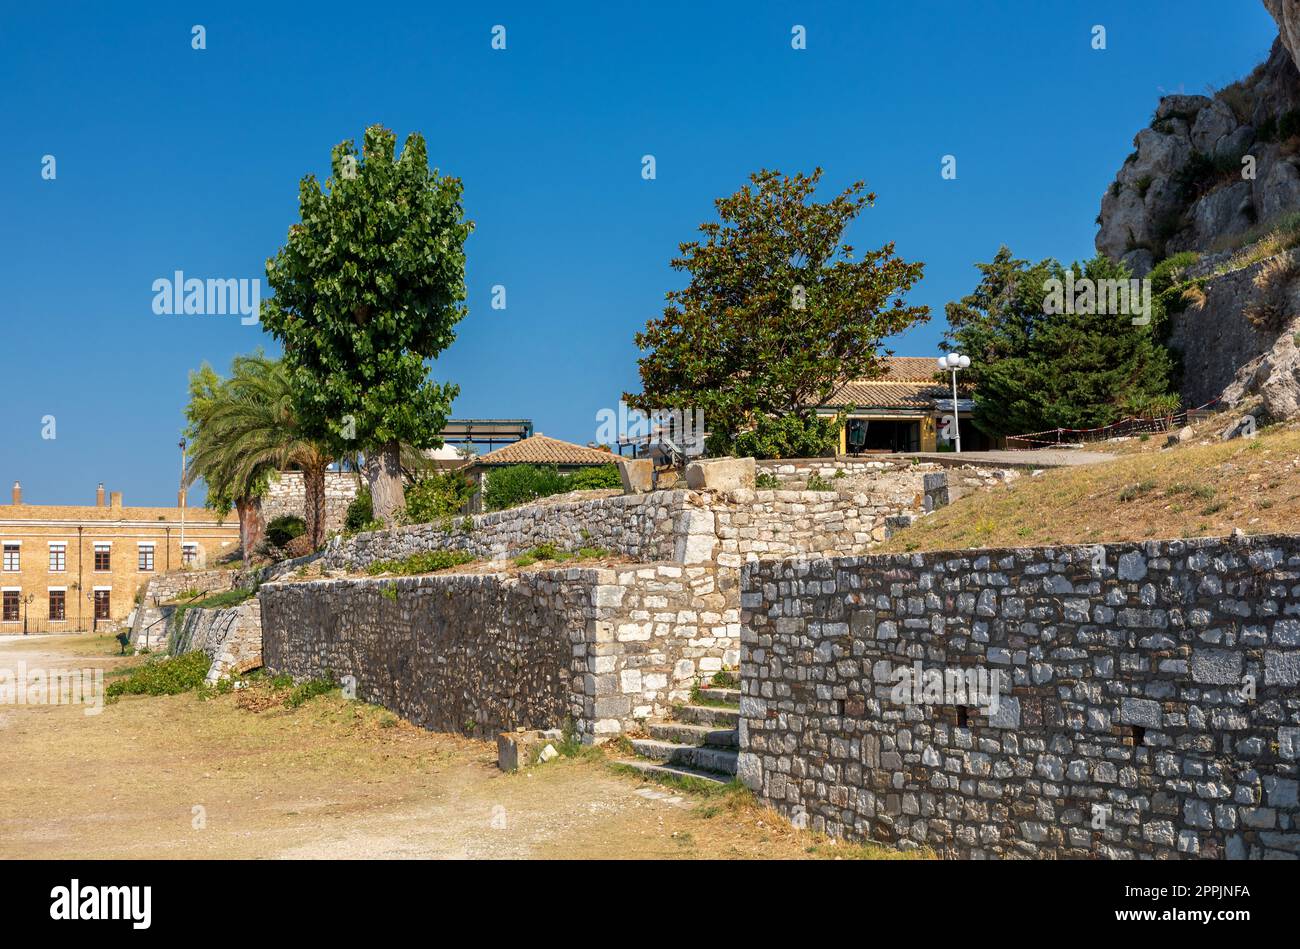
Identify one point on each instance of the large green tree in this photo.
(368, 289)
(777, 312)
(1036, 366)
(243, 431)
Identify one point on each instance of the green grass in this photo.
(429, 561)
(549, 551)
(309, 689)
(165, 675)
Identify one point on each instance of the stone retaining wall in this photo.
(482, 653)
(231, 638)
(1150, 705)
(674, 525)
(646, 527)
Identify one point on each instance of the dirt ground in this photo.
(183, 777)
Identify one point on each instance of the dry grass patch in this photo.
(1192, 490)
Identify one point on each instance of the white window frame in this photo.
(62, 547)
(4, 549)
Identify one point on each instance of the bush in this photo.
(796, 435)
(594, 478)
(438, 495)
(284, 529)
(166, 675)
(361, 513)
(519, 484)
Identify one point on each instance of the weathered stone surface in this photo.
(484, 653)
(1143, 715)
(231, 638)
(637, 475)
(720, 474)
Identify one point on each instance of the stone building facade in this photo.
(72, 567)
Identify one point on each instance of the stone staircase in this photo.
(699, 741)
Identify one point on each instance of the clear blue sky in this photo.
(174, 159)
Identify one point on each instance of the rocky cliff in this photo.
(1216, 181)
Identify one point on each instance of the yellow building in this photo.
(67, 567)
(905, 410)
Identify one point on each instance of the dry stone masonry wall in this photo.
(231, 638)
(481, 653)
(1150, 702)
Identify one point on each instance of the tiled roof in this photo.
(887, 395)
(909, 369)
(909, 382)
(541, 450)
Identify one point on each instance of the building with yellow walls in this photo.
(70, 568)
(905, 410)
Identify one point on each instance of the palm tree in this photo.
(244, 430)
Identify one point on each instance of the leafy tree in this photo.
(243, 431)
(1033, 370)
(368, 287)
(777, 312)
(436, 496)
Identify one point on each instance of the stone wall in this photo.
(231, 638)
(1150, 702)
(481, 653)
(288, 496)
(646, 527)
(674, 525)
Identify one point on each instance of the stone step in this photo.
(730, 696)
(686, 734)
(721, 760)
(656, 770)
(707, 715)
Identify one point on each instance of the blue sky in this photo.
(170, 158)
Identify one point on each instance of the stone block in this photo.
(522, 749)
(721, 474)
(637, 475)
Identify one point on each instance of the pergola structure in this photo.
(487, 431)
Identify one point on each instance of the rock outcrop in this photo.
(1190, 184)
(1215, 175)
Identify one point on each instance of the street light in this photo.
(953, 362)
(181, 446)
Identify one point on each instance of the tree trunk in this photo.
(313, 482)
(384, 475)
(250, 526)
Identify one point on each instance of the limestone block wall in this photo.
(231, 638)
(288, 496)
(681, 526)
(1149, 703)
(662, 525)
(481, 653)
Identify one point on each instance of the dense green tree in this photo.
(243, 431)
(368, 288)
(776, 314)
(1035, 370)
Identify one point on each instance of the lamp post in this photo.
(181, 446)
(953, 362)
(27, 602)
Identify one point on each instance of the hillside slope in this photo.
(1198, 489)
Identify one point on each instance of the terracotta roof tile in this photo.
(887, 395)
(542, 450)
